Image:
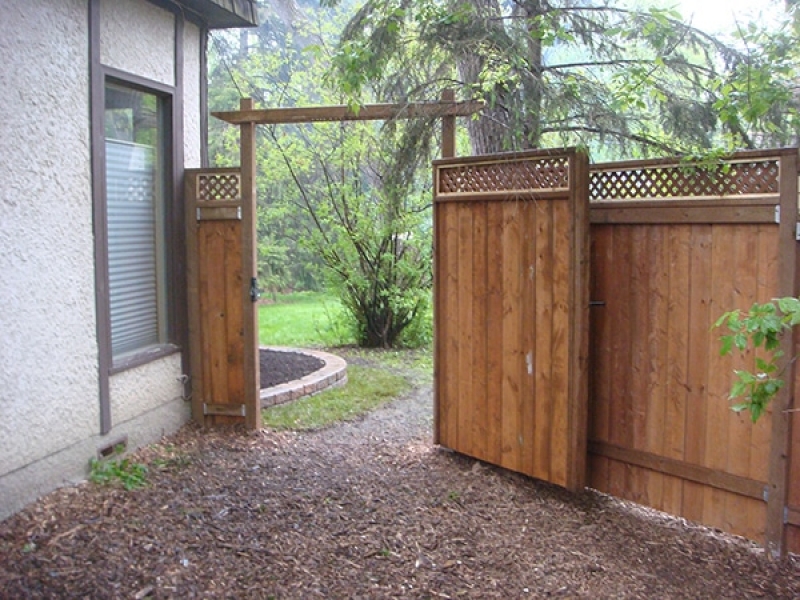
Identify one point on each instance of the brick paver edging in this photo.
(332, 374)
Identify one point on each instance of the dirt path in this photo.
(362, 510)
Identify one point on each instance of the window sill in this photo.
(137, 358)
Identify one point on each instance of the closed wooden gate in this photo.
(221, 309)
(511, 294)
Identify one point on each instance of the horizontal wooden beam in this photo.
(368, 112)
(744, 486)
(684, 212)
(793, 515)
(504, 196)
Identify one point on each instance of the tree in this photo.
(339, 195)
(568, 72)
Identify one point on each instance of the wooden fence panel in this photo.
(667, 260)
(511, 311)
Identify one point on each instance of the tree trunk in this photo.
(489, 133)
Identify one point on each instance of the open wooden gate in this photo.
(511, 310)
(223, 336)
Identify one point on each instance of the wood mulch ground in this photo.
(367, 509)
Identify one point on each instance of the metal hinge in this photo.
(797, 231)
(778, 214)
(229, 410)
(785, 515)
(766, 493)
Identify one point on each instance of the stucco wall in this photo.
(138, 37)
(191, 87)
(48, 349)
(49, 387)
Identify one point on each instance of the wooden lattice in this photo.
(219, 187)
(733, 179)
(521, 175)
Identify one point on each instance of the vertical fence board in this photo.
(494, 334)
(512, 339)
(447, 323)
(543, 315)
(530, 458)
(677, 351)
(600, 360)
(231, 276)
(697, 373)
(620, 281)
(657, 343)
(468, 335)
(740, 427)
(480, 281)
(560, 344)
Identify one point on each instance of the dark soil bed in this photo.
(279, 367)
(367, 509)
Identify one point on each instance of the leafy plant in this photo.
(761, 327)
(108, 471)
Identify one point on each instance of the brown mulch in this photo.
(368, 509)
(279, 367)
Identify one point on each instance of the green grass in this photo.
(367, 388)
(303, 319)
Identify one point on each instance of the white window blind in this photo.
(132, 242)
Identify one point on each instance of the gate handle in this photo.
(597, 303)
(255, 291)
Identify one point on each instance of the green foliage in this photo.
(761, 327)
(616, 80)
(366, 389)
(122, 471)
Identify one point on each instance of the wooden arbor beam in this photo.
(368, 112)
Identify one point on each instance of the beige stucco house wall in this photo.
(63, 398)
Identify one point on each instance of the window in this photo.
(137, 150)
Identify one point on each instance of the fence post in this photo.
(775, 535)
(247, 143)
(448, 127)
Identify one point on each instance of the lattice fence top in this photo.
(531, 174)
(215, 187)
(732, 179)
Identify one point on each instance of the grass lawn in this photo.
(303, 319)
(367, 388)
(314, 319)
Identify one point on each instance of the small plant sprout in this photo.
(761, 327)
(108, 471)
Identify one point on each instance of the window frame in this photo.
(160, 247)
(166, 95)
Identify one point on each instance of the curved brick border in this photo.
(332, 374)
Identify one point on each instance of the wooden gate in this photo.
(511, 311)
(223, 343)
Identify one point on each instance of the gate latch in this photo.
(255, 291)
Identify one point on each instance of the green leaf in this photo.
(726, 345)
(740, 341)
